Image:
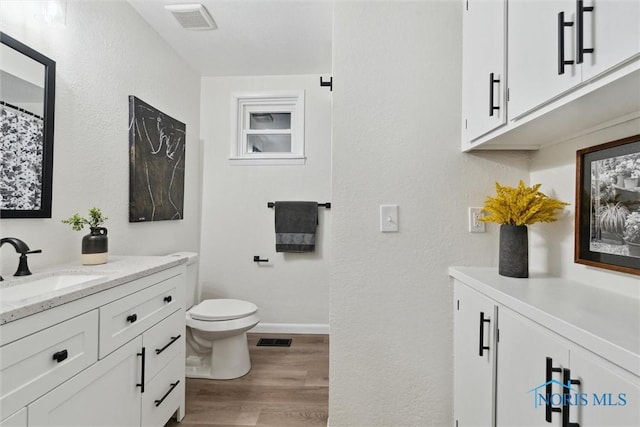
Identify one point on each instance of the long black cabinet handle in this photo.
(173, 339)
(580, 10)
(548, 390)
(132, 318)
(482, 347)
(173, 385)
(61, 355)
(141, 384)
(568, 382)
(561, 24)
(492, 81)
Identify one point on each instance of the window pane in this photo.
(272, 143)
(270, 121)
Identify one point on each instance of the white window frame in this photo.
(242, 104)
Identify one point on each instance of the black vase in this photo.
(95, 246)
(514, 251)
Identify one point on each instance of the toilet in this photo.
(216, 331)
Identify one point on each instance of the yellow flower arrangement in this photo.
(521, 206)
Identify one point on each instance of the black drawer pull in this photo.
(549, 370)
(173, 339)
(568, 382)
(132, 318)
(168, 299)
(60, 355)
(173, 385)
(492, 81)
(561, 26)
(482, 347)
(141, 383)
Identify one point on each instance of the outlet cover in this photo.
(475, 225)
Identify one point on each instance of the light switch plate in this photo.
(388, 218)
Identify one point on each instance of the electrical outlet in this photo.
(475, 225)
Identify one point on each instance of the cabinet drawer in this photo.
(128, 317)
(162, 342)
(37, 363)
(164, 393)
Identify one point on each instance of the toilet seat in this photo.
(212, 310)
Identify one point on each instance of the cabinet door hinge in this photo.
(467, 9)
(466, 125)
(498, 335)
(508, 94)
(456, 423)
(458, 305)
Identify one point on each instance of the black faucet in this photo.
(21, 248)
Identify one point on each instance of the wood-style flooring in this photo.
(287, 386)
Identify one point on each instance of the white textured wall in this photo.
(551, 245)
(291, 288)
(105, 53)
(396, 139)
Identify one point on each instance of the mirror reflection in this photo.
(27, 80)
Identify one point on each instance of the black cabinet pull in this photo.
(492, 81)
(580, 10)
(173, 339)
(132, 318)
(561, 24)
(548, 377)
(168, 299)
(567, 381)
(61, 355)
(482, 347)
(173, 385)
(141, 384)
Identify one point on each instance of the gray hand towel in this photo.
(295, 224)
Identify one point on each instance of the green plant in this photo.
(520, 205)
(77, 222)
(632, 228)
(612, 217)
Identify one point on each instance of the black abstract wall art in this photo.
(156, 164)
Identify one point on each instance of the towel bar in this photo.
(320, 205)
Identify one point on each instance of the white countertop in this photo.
(119, 270)
(606, 323)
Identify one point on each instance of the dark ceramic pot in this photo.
(514, 251)
(95, 246)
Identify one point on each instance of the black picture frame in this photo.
(46, 190)
(607, 195)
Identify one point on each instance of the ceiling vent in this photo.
(192, 16)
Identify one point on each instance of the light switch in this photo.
(388, 218)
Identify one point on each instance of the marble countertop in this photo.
(604, 322)
(119, 270)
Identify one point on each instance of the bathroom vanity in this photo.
(94, 345)
(542, 351)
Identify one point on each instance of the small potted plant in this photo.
(632, 233)
(95, 245)
(515, 208)
(612, 219)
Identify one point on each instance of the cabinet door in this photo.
(19, 419)
(608, 395)
(474, 357)
(104, 394)
(534, 35)
(522, 394)
(483, 67)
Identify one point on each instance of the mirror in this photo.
(27, 99)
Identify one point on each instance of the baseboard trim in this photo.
(290, 328)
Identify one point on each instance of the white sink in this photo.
(45, 285)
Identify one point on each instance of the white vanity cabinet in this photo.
(123, 360)
(475, 325)
(483, 67)
(565, 354)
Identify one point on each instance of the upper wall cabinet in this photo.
(556, 45)
(566, 60)
(483, 67)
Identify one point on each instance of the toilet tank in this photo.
(192, 291)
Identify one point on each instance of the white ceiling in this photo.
(254, 37)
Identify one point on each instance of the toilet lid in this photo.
(222, 309)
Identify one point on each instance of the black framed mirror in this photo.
(27, 104)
